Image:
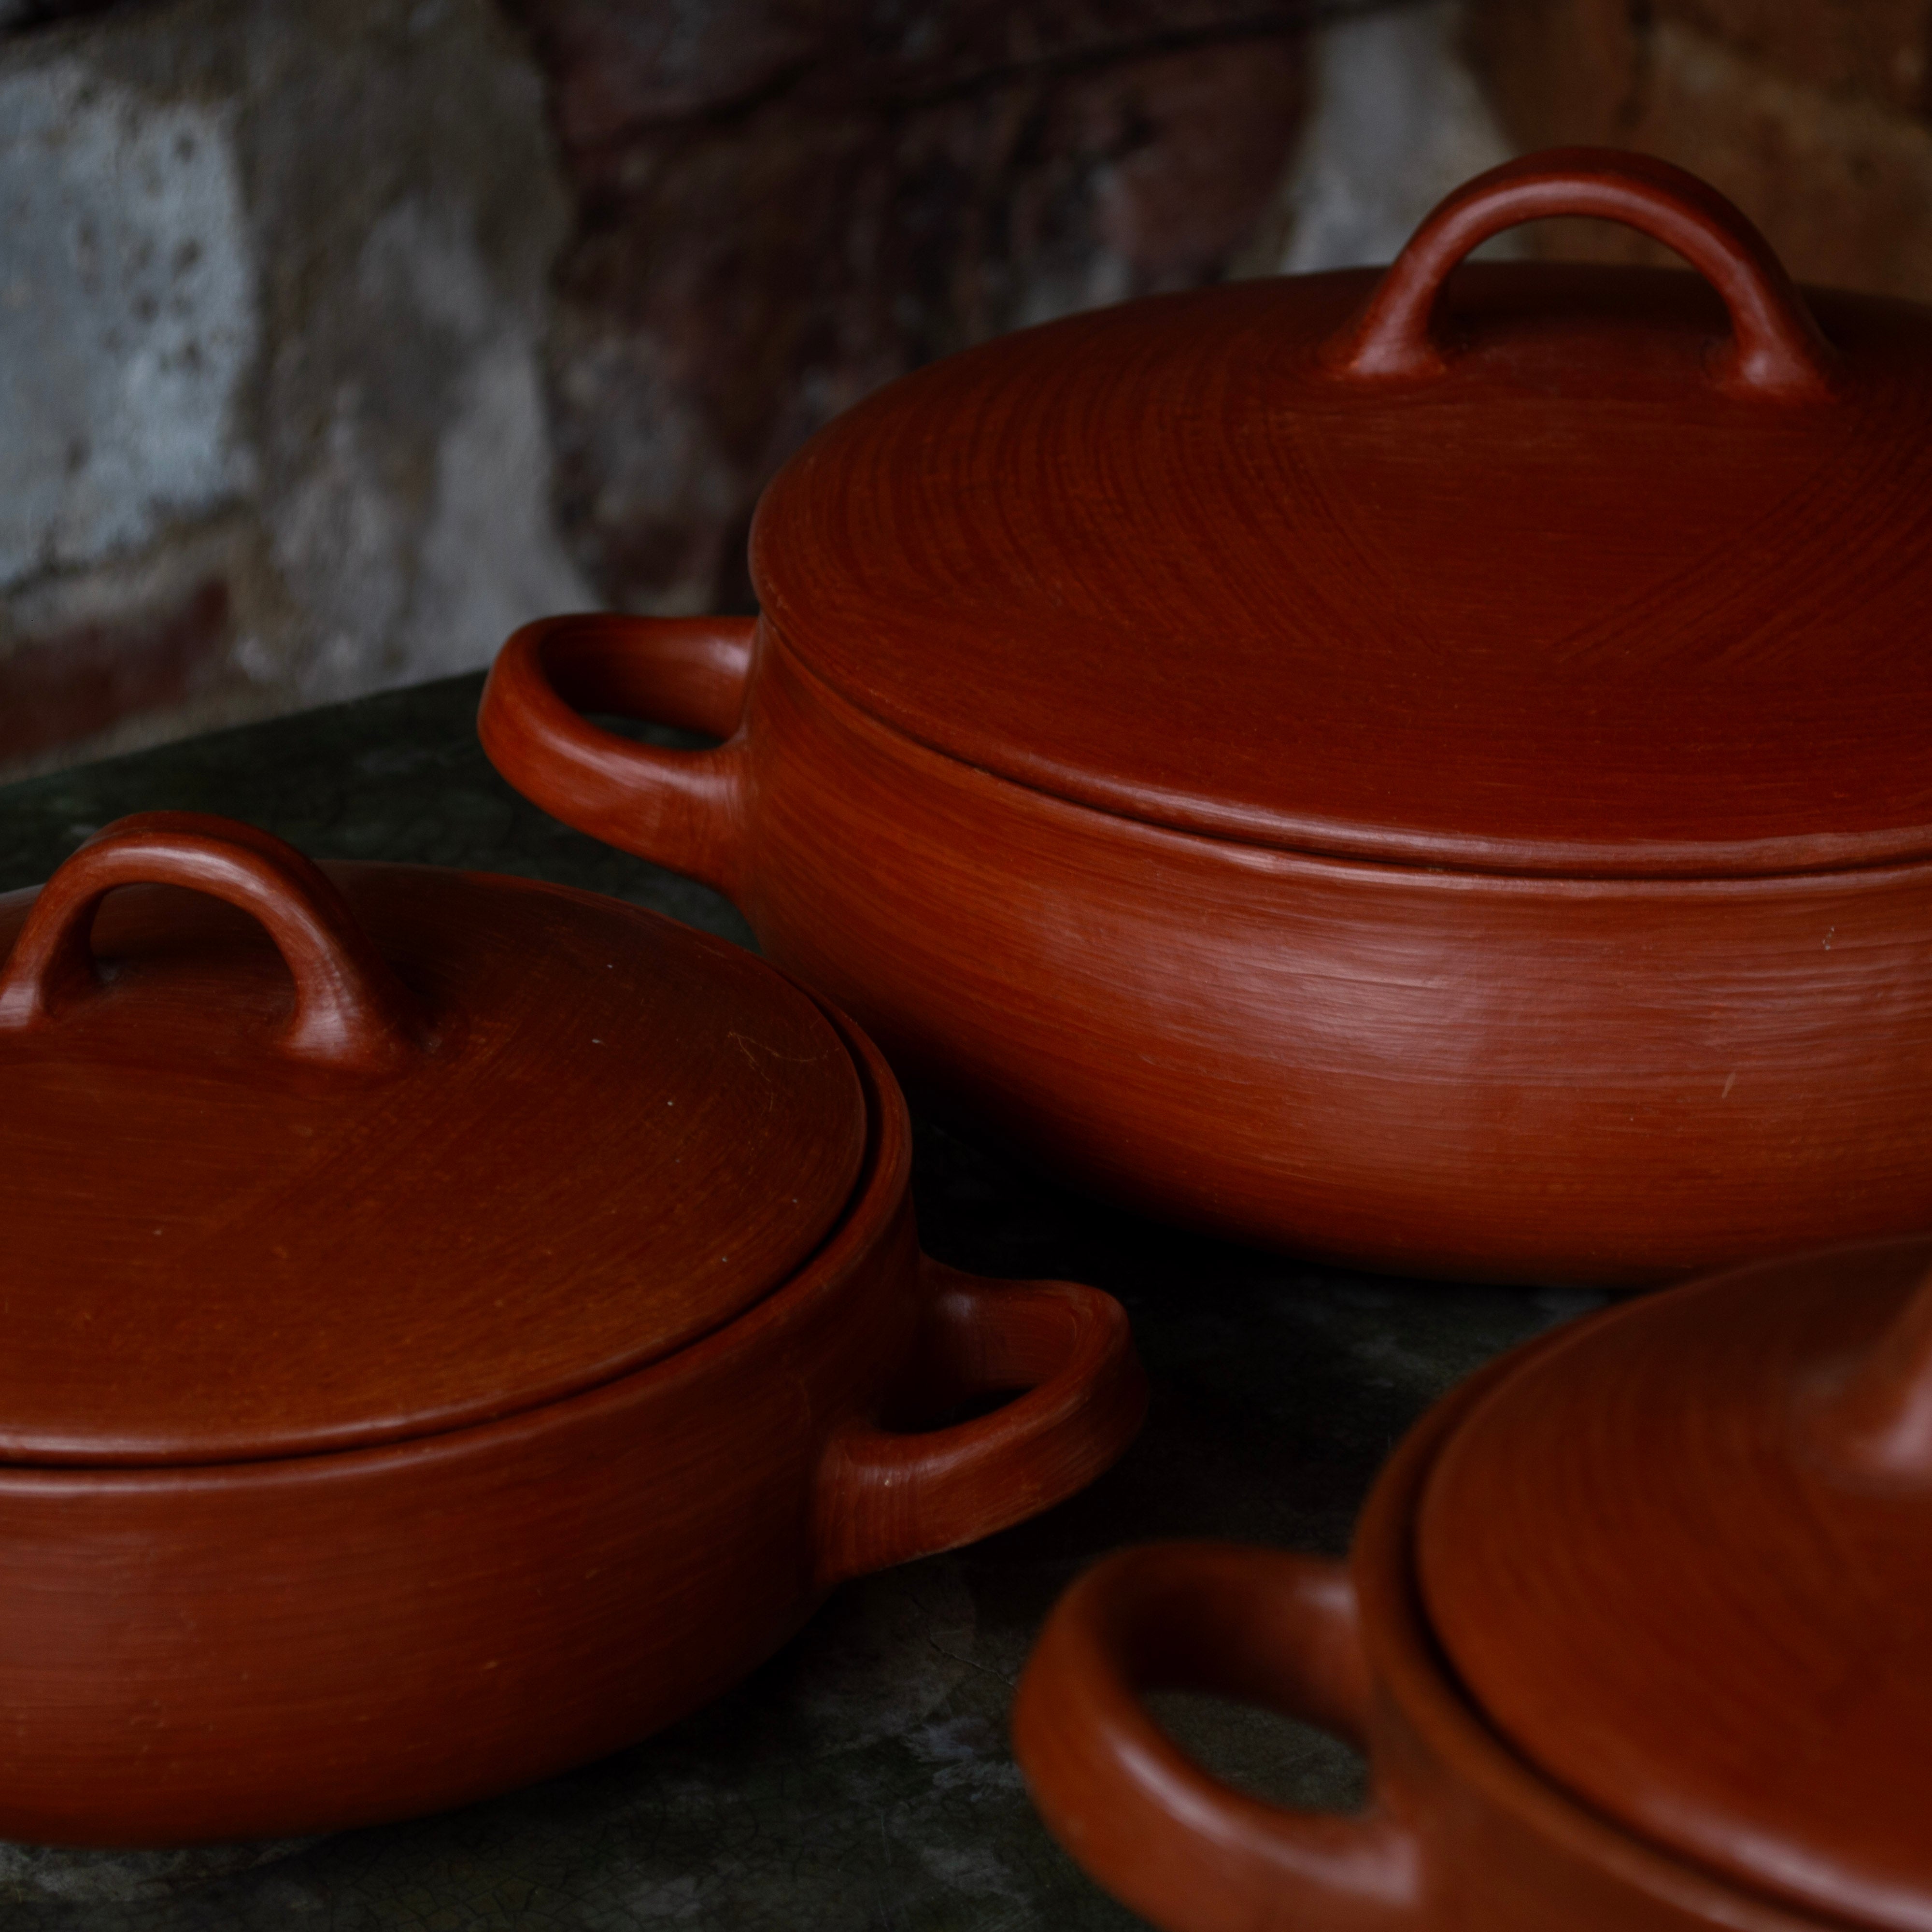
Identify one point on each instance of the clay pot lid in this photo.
(492, 1143)
(1681, 1559)
(1568, 572)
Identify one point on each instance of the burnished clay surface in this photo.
(246, 1220)
(255, 1647)
(1558, 600)
(1453, 805)
(1722, 1634)
(1633, 1636)
(1445, 1072)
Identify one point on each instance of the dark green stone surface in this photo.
(862, 1779)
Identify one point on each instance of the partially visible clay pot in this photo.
(1635, 1637)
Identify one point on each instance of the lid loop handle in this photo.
(351, 1010)
(1877, 1423)
(1776, 352)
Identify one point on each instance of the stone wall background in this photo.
(273, 284)
(338, 336)
(1814, 116)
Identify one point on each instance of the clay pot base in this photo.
(67, 1875)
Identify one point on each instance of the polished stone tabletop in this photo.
(861, 1781)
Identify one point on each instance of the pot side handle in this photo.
(1176, 1845)
(684, 810)
(885, 1497)
(351, 1010)
(1776, 353)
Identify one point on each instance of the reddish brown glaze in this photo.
(1429, 778)
(1633, 1636)
(351, 1011)
(1874, 1425)
(582, 1140)
(1430, 1070)
(1700, 1600)
(885, 1496)
(264, 1646)
(686, 810)
(1776, 349)
(1270, 1629)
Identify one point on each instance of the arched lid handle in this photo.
(1875, 1424)
(1776, 352)
(351, 1010)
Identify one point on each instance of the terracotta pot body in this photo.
(259, 1648)
(1437, 1072)
(1466, 1826)
(1615, 1040)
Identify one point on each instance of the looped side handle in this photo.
(681, 809)
(1776, 352)
(351, 1010)
(885, 1497)
(1186, 1851)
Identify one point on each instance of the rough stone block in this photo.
(275, 282)
(741, 277)
(1788, 118)
(619, 69)
(127, 315)
(59, 689)
(1879, 49)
